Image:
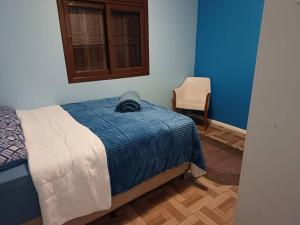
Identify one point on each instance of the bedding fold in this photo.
(129, 102)
(67, 163)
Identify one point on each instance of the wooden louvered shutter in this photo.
(127, 34)
(104, 39)
(88, 38)
(87, 45)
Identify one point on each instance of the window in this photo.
(104, 39)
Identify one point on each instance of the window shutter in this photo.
(104, 39)
(88, 38)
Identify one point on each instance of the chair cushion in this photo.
(192, 104)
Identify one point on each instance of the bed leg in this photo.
(113, 215)
(181, 177)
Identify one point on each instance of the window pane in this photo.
(88, 38)
(126, 39)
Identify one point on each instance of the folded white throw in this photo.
(67, 163)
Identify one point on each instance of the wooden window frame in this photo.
(140, 6)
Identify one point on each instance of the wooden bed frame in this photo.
(123, 198)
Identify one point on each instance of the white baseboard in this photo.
(222, 124)
(228, 126)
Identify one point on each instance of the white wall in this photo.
(32, 65)
(270, 181)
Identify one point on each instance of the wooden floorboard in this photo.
(192, 201)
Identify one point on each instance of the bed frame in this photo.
(125, 197)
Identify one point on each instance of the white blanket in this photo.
(67, 163)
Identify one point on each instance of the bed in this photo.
(144, 150)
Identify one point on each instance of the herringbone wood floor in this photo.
(192, 201)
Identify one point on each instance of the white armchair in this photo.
(193, 94)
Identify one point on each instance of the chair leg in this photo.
(113, 215)
(206, 111)
(174, 101)
(205, 120)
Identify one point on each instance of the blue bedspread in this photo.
(139, 145)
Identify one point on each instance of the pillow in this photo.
(12, 144)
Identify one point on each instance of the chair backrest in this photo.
(196, 87)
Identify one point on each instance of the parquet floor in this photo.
(192, 201)
(225, 135)
(189, 202)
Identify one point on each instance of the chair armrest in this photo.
(174, 100)
(178, 92)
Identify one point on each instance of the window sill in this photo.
(80, 79)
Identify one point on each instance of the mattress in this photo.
(139, 146)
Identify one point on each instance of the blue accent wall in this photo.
(227, 42)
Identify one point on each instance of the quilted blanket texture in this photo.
(67, 163)
(140, 145)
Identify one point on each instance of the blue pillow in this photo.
(12, 144)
